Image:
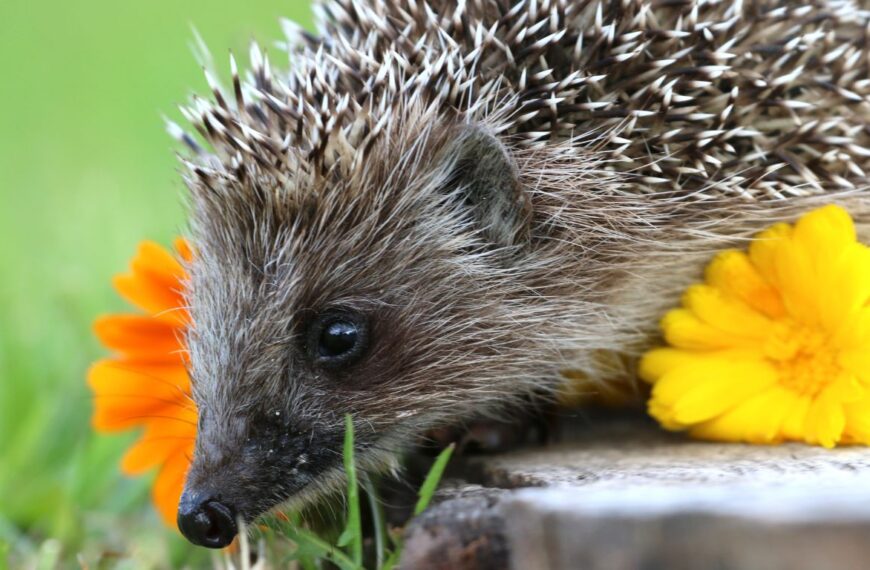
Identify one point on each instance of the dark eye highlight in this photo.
(337, 339)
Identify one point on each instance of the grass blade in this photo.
(430, 484)
(49, 555)
(353, 530)
(378, 522)
(310, 545)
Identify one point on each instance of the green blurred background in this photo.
(87, 171)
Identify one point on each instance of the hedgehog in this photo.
(440, 206)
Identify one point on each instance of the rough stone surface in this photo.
(466, 531)
(623, 494)
(631, 455)
(550, 529)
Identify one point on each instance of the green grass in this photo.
(347, 553)
(352, 537)
(87, 172)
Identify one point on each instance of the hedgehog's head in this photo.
(386, 291)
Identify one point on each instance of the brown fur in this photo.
(506, 189)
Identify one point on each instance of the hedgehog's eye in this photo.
(338, 338)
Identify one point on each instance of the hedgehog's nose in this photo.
(206, 521)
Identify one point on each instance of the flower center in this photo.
(805, 358)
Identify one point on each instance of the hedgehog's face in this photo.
(387, 297)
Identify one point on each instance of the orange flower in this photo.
(145, 384)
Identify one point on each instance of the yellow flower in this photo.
(145, 384)
(775, 344)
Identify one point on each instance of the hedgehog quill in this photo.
(436, 207)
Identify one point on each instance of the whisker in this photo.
(119, 366)
(166, 437)
(165, 312)
(145, 397)
(154, 417)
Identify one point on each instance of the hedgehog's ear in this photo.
(482, 173)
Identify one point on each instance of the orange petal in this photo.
(183, 248)
(161, 440)
(127, 395)
(169, 484)
(155, 283)
(141, 338)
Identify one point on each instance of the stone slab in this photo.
(620, 493)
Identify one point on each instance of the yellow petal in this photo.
(683, 329)
(826, 420)
(843, 286)
(794, 424)
(857, 362)
(822, 232)
(763, 250)
(696, 393)
(857, 428)
(854, 335)
(776, 344)
(732, 272)
(756, 420)
(658, 362)
(798, 283)
(728, 315)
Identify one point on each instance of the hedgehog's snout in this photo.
(206, 521)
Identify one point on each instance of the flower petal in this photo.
(155, 283)
(128, 395)
(857, 428)
(823, 232)
(141, 338)
(698, 392)
(794, 424)
(857, 362)
(798, 283)
(169, 484)
(730, 316)
(733, 273)
(184, 249)
(147, 384)
(764, 249)
(683, 329)
(847, 273)
(756, 420)
(776, 344)
(658, 362)
(826, 420)
(161, 441)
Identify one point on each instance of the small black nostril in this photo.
(208, 523)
